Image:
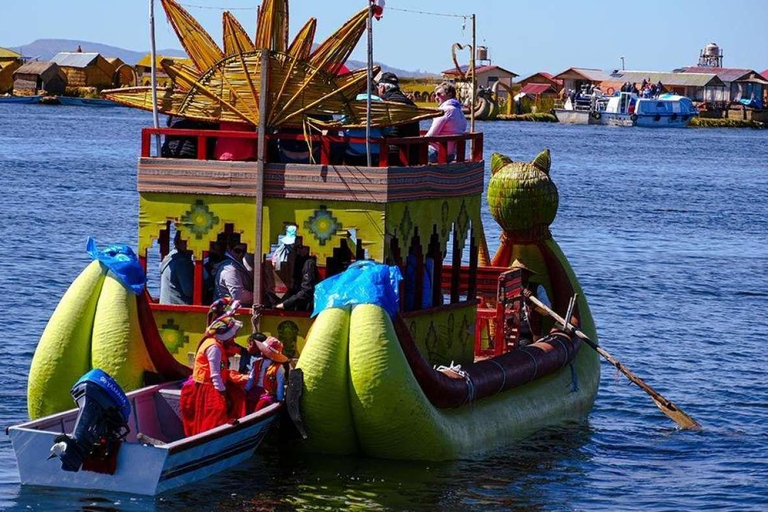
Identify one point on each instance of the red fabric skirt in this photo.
(204, 408)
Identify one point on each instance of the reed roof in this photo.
(36, 67)
(6, 53)
(306, 88)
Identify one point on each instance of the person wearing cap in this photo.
(234, 277)
(452, 122)
(177, 274)
(209, 399)
(266, 383)
(388, 88)
(279, 268)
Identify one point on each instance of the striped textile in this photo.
(298, 181)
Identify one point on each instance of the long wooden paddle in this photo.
(675, 414)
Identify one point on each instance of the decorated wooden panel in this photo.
(446, 334)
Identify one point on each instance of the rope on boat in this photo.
(464, 375)
(574, 380)
(535, 365)
(503, 376)
(565, 348)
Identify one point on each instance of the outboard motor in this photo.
(101, 424)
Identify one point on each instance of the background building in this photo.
(10, 61)
(85, 69)
(37, 77)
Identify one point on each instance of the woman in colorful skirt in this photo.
(210, 398)
(266, 384)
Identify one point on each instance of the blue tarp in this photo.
(122, 261)
(364, 282)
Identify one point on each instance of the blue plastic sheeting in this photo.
(364, 282)
(752, 102)
(122, 261)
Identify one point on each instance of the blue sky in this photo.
(523, 36)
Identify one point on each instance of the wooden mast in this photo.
(153, 56)
(370, 82)
(260, 152)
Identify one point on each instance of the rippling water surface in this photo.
(667, 230)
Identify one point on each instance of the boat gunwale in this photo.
(173, 447)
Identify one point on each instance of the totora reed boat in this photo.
(363, 377)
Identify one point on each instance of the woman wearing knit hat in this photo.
(209, 399)
(266, 384)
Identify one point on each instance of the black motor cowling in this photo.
(101, 424)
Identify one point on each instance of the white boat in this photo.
(576, 111)
(665, 111)
(154, 455)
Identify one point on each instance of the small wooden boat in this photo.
(154, 457)
(87, 102)
(20, 99)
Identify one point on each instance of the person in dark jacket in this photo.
(388, 88)
(300, 297)
(183, 147)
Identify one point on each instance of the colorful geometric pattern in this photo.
(199, 219)
(323, 225)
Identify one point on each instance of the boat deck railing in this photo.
(410, 150)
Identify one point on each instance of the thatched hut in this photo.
(124, 75)
(37, 77)
(10, 61)
(85, 69)
(144, 69)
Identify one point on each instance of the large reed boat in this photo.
(363, 379)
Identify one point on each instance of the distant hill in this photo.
(45, 49)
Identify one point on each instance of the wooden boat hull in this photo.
(87, 102)
(142, 468)
(574, 116)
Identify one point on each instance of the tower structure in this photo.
(711, 56)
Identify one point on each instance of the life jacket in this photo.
(270, 377)
(201, 372)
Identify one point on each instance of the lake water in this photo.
(667, 230)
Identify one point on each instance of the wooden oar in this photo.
(675, 414)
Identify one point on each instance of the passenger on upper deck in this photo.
(452, 122)
(388, 87)
(355, 153)
(177, 274)
(234, 278)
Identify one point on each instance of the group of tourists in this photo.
(387, 88)
(291, 274)
(646, 89)
(291, 150)
(216, 394)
